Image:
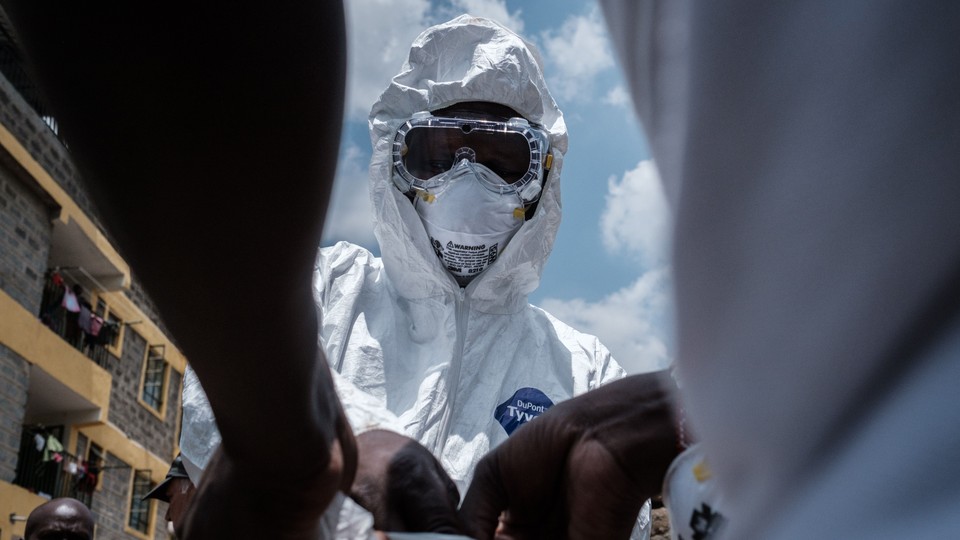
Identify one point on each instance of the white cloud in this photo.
(617, 96)
(576, 54)
(634, 322)
(350, 216)
(491, 9)
(379, 34)
(636, 217)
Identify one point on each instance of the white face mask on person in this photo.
(469, 224)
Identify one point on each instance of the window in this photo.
(139, 518)
(154, 375)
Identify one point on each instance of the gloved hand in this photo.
(403, 485)
(581, 470)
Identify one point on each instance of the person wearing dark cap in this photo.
(177, 491)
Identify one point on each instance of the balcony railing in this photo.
(46, 469)
(66, 311)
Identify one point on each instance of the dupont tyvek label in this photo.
(524, 405)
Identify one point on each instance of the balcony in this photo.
(87, 253)
(44, 468)
(65, 386)
(65, 310)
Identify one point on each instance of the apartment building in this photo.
(89, 377)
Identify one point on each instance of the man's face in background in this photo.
(180, 493)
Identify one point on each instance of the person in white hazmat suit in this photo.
(435, 339)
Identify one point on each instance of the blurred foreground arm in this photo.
(581, 470)
(209, 136)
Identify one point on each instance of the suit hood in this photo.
(465, 59)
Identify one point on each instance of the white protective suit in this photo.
(454, 368)
(445, 365)
(427, 357)
(810, 153)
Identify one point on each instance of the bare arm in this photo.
(208, 136)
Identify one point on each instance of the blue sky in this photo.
(607, 275)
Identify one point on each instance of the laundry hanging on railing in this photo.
(87, 476)
(96, 323)
(66, 311)
(70, 301)
(83, 320)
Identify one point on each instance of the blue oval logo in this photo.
(524, 405)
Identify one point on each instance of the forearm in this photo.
(635, 420)
(209, 156)
(581, 470)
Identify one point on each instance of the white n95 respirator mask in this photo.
(471, 181)
(468, 224)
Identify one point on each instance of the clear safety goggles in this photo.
(515, 151)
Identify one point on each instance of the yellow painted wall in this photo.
(15, 500)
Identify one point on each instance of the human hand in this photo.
(581, 470)
(403, 485)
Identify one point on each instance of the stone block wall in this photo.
(111, 504)
(43, 144)
(14, 381)
(125, 408)
(111, 501)
(25, 236)
(138, 295)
